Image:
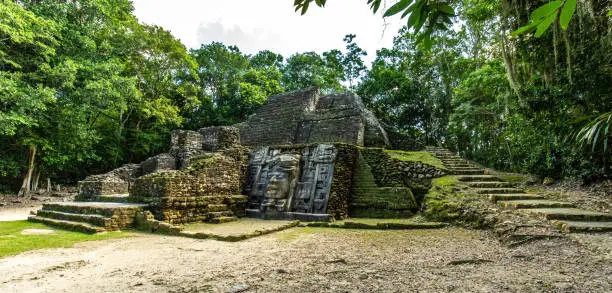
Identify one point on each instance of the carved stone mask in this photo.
(283, 170)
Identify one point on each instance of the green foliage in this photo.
(545, 15)
(596, 131)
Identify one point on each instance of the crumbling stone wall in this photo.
(337, 118)
(161, 162)
(219, 137)
(403, 141)
(341, 192)
(210, 188)
(305, 117)
(184, 145)
(390, 172)
(277, 120)
(117, 181)
(378, 188)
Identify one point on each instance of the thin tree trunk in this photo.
(510, 71)
(36, 180)
(25, 187)
(568, 57)
(48, 184)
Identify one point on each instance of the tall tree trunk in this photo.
(26, 185)
(36, 179)
(510, 70)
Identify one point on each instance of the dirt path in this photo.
(16, 214)
(314, 260)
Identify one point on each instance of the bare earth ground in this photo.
(318, 260)
(16, 214)
(596, 197)
(241, 226)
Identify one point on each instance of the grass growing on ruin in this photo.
(373, 221)
(449, 200)
(423, 157)
(13, 242)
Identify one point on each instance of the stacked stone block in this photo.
(208, 190)
(161, 162)
(378, 191)
(305, 117)
(184, 145)
(114, 182)
(276, 122)
(88, 217)
(219, 137)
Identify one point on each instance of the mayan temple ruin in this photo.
(301, 156)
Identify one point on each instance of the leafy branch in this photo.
(544, 16)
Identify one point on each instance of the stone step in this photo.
(217, 208)
(96, 220)
(489, 184)
(467, 171)
(220, 214)
(479, 178)
(579, 226)
(220, 220)
(462, 166)
(120, 198)
(450, 158)
(513, 196)
(533, 204)
(498, 190)
(106, 209)
(569, 214)
(68, 225)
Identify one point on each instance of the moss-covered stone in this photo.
(213, 179)
(449, 200)
(340, 193)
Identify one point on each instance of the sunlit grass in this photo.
(423, 157)
(13, 242)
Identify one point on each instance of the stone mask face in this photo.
(282, 175)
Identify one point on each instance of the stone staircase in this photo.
(454, 163)
(88, 217)
(219, 213)
(564, 215)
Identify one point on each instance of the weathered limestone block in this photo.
(403, 141)
(161, 162)
(277, 120)
(379, 190)
(92, 190)
(374, 133)
(114, 182)
(184, 145)
(305, 117)
(219, 137)
(206, 191)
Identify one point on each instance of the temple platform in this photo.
(88, 217)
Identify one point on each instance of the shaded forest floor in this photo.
(318, 260)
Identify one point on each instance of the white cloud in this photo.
(250, 41)
(270, 24)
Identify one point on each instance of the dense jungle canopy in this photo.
(85, 87)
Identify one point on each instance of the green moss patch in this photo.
(13, 242)
(423, 157)
(378, 224)
(449, 200)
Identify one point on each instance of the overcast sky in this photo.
(255, 25)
